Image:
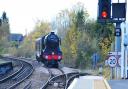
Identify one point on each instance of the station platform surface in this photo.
(89, 82)
(5, 66)
(3, 62)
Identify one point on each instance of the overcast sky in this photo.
(24, 13)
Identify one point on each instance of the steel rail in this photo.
(16, 77)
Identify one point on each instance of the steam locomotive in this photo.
(48, 50)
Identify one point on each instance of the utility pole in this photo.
(117, 46)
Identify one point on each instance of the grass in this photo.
(106, 72)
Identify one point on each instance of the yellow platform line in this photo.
(106, 84)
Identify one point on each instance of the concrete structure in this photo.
(5, 66)
(89, 82)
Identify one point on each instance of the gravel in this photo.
(40, 75)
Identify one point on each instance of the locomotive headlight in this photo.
(53, 53)
(46, 57)
(59, 57)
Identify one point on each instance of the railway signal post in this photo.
(109, 12)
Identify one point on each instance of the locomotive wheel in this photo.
(56, 65)
(43, 60)
(37, 58)
(46, 63)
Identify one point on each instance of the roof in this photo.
(16, 37)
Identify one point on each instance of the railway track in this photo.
(72, 76)
(28, 86)
(15, 71)
(16, 78)
(55, 79)
(61, 80)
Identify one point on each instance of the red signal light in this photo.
(104, 14)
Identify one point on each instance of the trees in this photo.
(85, 36)
(81, 36)
(73, 45)
(4, 27)
(27, 48)
(4, 33)
(106, 37)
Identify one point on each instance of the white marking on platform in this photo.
(92, 77)
(82, 83)
(88, 82)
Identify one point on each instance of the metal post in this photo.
(124, 56)
(117, 49)
(122, 61)
(125, 63)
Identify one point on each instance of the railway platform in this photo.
(89, 82)
(5, 66)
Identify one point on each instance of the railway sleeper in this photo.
(20, 74)
(28, 86)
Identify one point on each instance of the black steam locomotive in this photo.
(48, 50)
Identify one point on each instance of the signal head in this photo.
(104, 14)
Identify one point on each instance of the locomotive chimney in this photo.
(52, 33)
